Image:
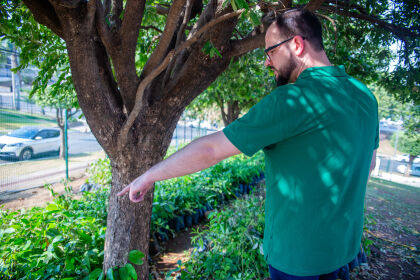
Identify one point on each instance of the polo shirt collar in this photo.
(333, 71)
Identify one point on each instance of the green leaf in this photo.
(234, 7)
(135, 257)
(242, 4)
(254, 18)
(207, 47)
(52, 207)
(70, 263)
(214, 52)
(110, 274)
(123, 273)
(131, 271)
(225, 4)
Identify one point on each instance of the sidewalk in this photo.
(412, 181)
(24, 175)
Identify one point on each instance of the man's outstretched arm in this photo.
(198, 155)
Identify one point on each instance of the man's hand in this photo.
(138, 189)
(198, 155)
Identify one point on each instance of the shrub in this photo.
(64, 239)
(234, 244)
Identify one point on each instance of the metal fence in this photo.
(17, 174)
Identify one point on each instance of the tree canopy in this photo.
(136, 64)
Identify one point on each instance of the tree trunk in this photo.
(232, 114)
(409, 165)
(102, 102)
(128, 223)
(60, 123)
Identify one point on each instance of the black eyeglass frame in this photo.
(276, 45)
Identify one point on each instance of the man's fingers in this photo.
(126, 189)
(138, 198)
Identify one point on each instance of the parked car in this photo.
(27, 141)
(406, 158)
(415, 169)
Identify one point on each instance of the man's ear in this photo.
(298, 45)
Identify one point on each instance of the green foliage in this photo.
(234, 235)
(245, 82)
(184, 195)
(367, 51)
(64, 239)
(100, 172)
(388, 106)
(136, 257)
(407, 143)
(41, 48)
(209, 49)
(369, 221)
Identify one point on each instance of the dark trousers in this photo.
(278, 275)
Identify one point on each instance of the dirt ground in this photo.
(393, 225)
(37, 196)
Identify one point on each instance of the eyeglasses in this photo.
(276, 45)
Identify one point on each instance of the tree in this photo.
(239, 88)
(408, 143)
(61, 96)
(134, 79)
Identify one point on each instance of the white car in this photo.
(415, 169)
(26, 142)
(406, 158)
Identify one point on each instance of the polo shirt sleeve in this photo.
(376, 145)
(377, 137)
(275, 118)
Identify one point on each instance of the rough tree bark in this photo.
(133, 117)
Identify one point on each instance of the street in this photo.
(79, 143)
(390, 165)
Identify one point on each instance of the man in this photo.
(319, 134)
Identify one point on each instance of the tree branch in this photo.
(206, 27)
(103, 30)
(139, 96)
(45, 14)
(400, 32)
(181, 30)
(117, 8)
(151, 27)
(129, 32)
(180, 36)
(161, 10)
(240, 47)
(122, 139)
(107, 7)
(335, 29)
(314, 5)
(67, 3)
(165, 39)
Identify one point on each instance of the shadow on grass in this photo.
(392, 185)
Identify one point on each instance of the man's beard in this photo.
(285, 73)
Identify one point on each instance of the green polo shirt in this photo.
(318, 136)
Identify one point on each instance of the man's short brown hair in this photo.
(301, 22)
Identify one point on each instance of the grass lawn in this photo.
(10, 120)
(393, 225)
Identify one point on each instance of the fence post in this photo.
(66, 156)
(191, 133)
(185, 133)
(176, 137)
